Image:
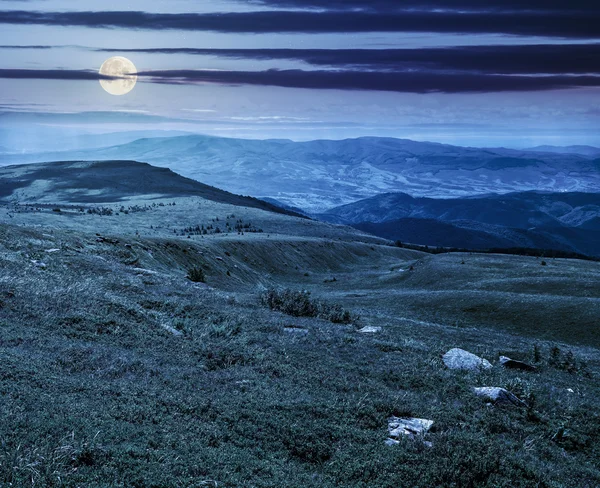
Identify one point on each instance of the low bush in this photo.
(301, 304)
(196, 275)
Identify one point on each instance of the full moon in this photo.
(124, 72)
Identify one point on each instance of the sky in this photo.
(495, 73)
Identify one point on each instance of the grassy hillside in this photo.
(119, 371)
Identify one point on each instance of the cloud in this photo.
(394, 5)
(519, 59)
(25, 47)
(375, 81)
(56, 74)
(557, 24)
(409, 82)
(199, 110)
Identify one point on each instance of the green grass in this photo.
(96, 392)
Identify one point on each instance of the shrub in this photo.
(566, 362)
(196, 275)
(300, 304)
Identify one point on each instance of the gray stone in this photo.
(463, 360)
(172, 330)
(514, 364)
(370, 330)
(411, 427)
(498, 396)
(408, 426)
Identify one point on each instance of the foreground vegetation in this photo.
(122, 372)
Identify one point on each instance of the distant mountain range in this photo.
(562, 221)
(319, 175)
(419, 192)
(582, 150)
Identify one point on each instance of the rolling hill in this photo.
(108, 181)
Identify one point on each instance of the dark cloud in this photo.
(24, 47)
(56, 74)
(394, 5)
(567, 25)
(524, 59)
(413, 82)
(375, 81)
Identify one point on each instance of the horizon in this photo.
(168, 133)
(174, 133)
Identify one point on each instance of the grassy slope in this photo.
(97, 392)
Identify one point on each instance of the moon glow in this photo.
(124, 72)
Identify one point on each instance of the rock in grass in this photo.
(370, 330)
(292, 329)
(411, 427)
(172, 330)
(463, 360)
(498, 396)
(514, 364)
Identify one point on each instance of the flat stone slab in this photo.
(398, 427)
(370, 330)
(172, 330)
(462, 360)
(498, 396)
(514, 364)
(410, 427)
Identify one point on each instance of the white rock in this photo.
(144, 271)
(463, 360)
(370, 330)
(408, 426)
(498, 396)
(39, 264)
(52, 250)
(172, 330)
